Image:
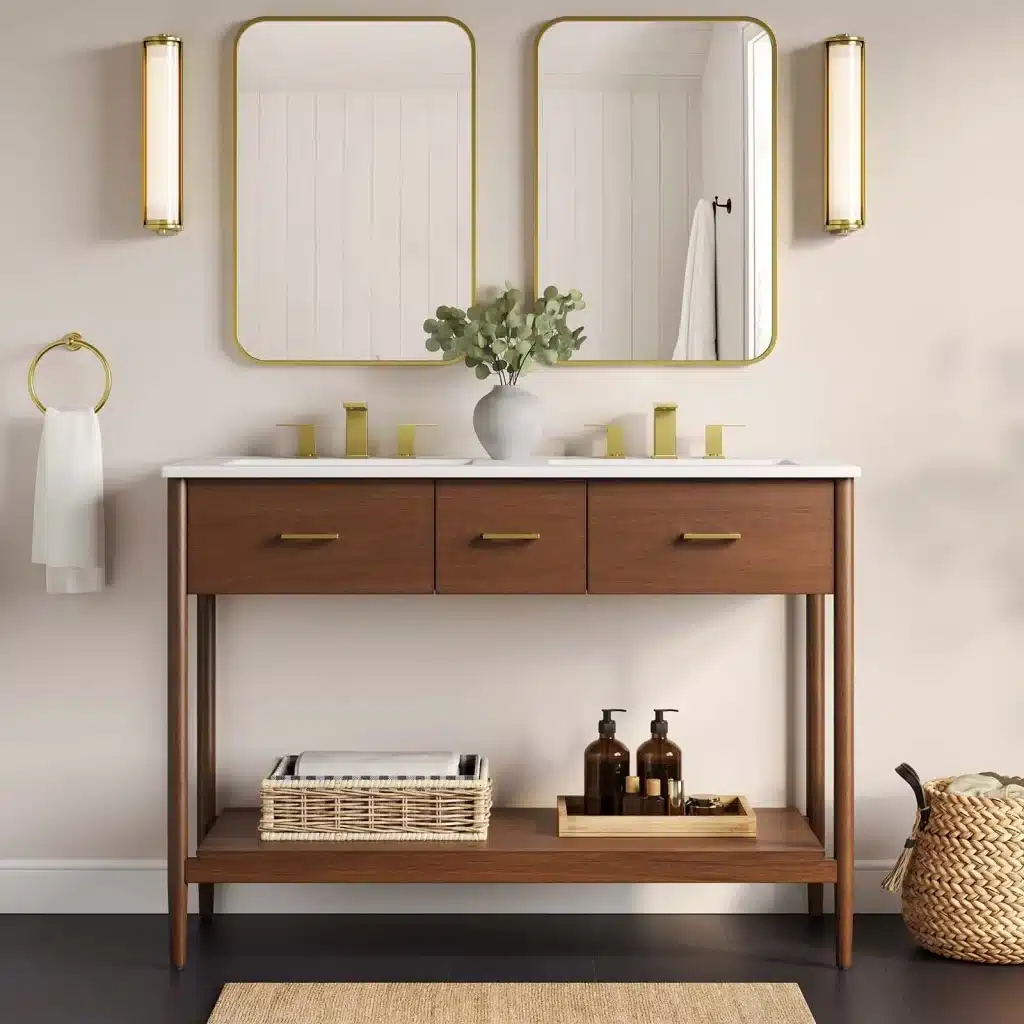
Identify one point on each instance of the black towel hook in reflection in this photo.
(717, 205)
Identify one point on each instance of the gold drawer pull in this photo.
(308, 536)
(509, 536)
(710, 538)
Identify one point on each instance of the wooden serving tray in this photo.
(739, 821)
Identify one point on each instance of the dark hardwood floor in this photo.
(113, 969)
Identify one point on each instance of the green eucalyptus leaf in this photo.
(433, 345)
(472, 361)
(551, 292)
(579, 304)
(552, 307)
(514, 296)
(482, 372)
(430, 326)
(500, 364)
(575, 294)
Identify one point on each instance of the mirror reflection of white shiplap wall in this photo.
(637, 122)
(354, 186)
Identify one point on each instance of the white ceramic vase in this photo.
(507, 422)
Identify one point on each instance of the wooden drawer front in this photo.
(636, 543)
(474, 558)
(385, 542)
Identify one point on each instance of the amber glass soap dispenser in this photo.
(605, 767)
(658, 757)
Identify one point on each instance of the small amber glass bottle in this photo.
(654, 802)
(632, 801)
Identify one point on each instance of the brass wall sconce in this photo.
(845, 104)
(161, 134)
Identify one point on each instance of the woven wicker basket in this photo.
(374, 809)
(963, 894)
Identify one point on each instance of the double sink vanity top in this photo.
(541, 467)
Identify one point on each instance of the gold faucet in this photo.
(407, 439)
(614, 439)
(356, 430)
(665, 431)
(305, 444)
(714, 447)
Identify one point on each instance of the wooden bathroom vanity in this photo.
(588, 526)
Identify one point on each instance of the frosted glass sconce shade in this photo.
(844, 134)
(161, 134)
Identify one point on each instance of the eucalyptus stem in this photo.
(488, 336)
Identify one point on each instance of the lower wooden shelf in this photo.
(523, 846)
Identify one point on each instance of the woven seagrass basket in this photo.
(439, 808)
(963, 893)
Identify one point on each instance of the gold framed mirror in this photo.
(656, 185)
(354, 186)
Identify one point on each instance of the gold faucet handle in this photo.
(407, 439)
(305, 439)
(714, 444)
(615, 439)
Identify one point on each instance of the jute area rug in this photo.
(453, 1003)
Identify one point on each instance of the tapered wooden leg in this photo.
(815, 798)
(177, 723)
(206, 727)
(843, 711)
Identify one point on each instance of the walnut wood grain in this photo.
(815, 714)
(177, 723)
(385, 539)
(843, 806)
(523, 846)
(553, 563)
(206, 728)
(635, 543)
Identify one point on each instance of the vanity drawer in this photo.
(658, 538)
(377, 537)
(512, 537)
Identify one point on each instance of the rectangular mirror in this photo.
(354, 185)
(641, 124)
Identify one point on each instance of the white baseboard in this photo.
(140, 887)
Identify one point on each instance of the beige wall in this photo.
(900, 349)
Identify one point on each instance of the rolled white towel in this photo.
(376, 762)
(975, 785)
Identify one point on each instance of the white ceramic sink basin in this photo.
(572, 460)
(272, 462)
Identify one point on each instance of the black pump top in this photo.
(606, 727)
(659, 727)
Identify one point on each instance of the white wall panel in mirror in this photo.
(354, 185)
(641, 123)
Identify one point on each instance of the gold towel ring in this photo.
(72, 342)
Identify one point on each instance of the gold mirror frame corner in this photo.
(473, 192)
(678, 363)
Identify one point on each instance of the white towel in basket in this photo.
(376, 762)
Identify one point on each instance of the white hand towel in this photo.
(372, 762)
(698, 320)
(67, 528)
